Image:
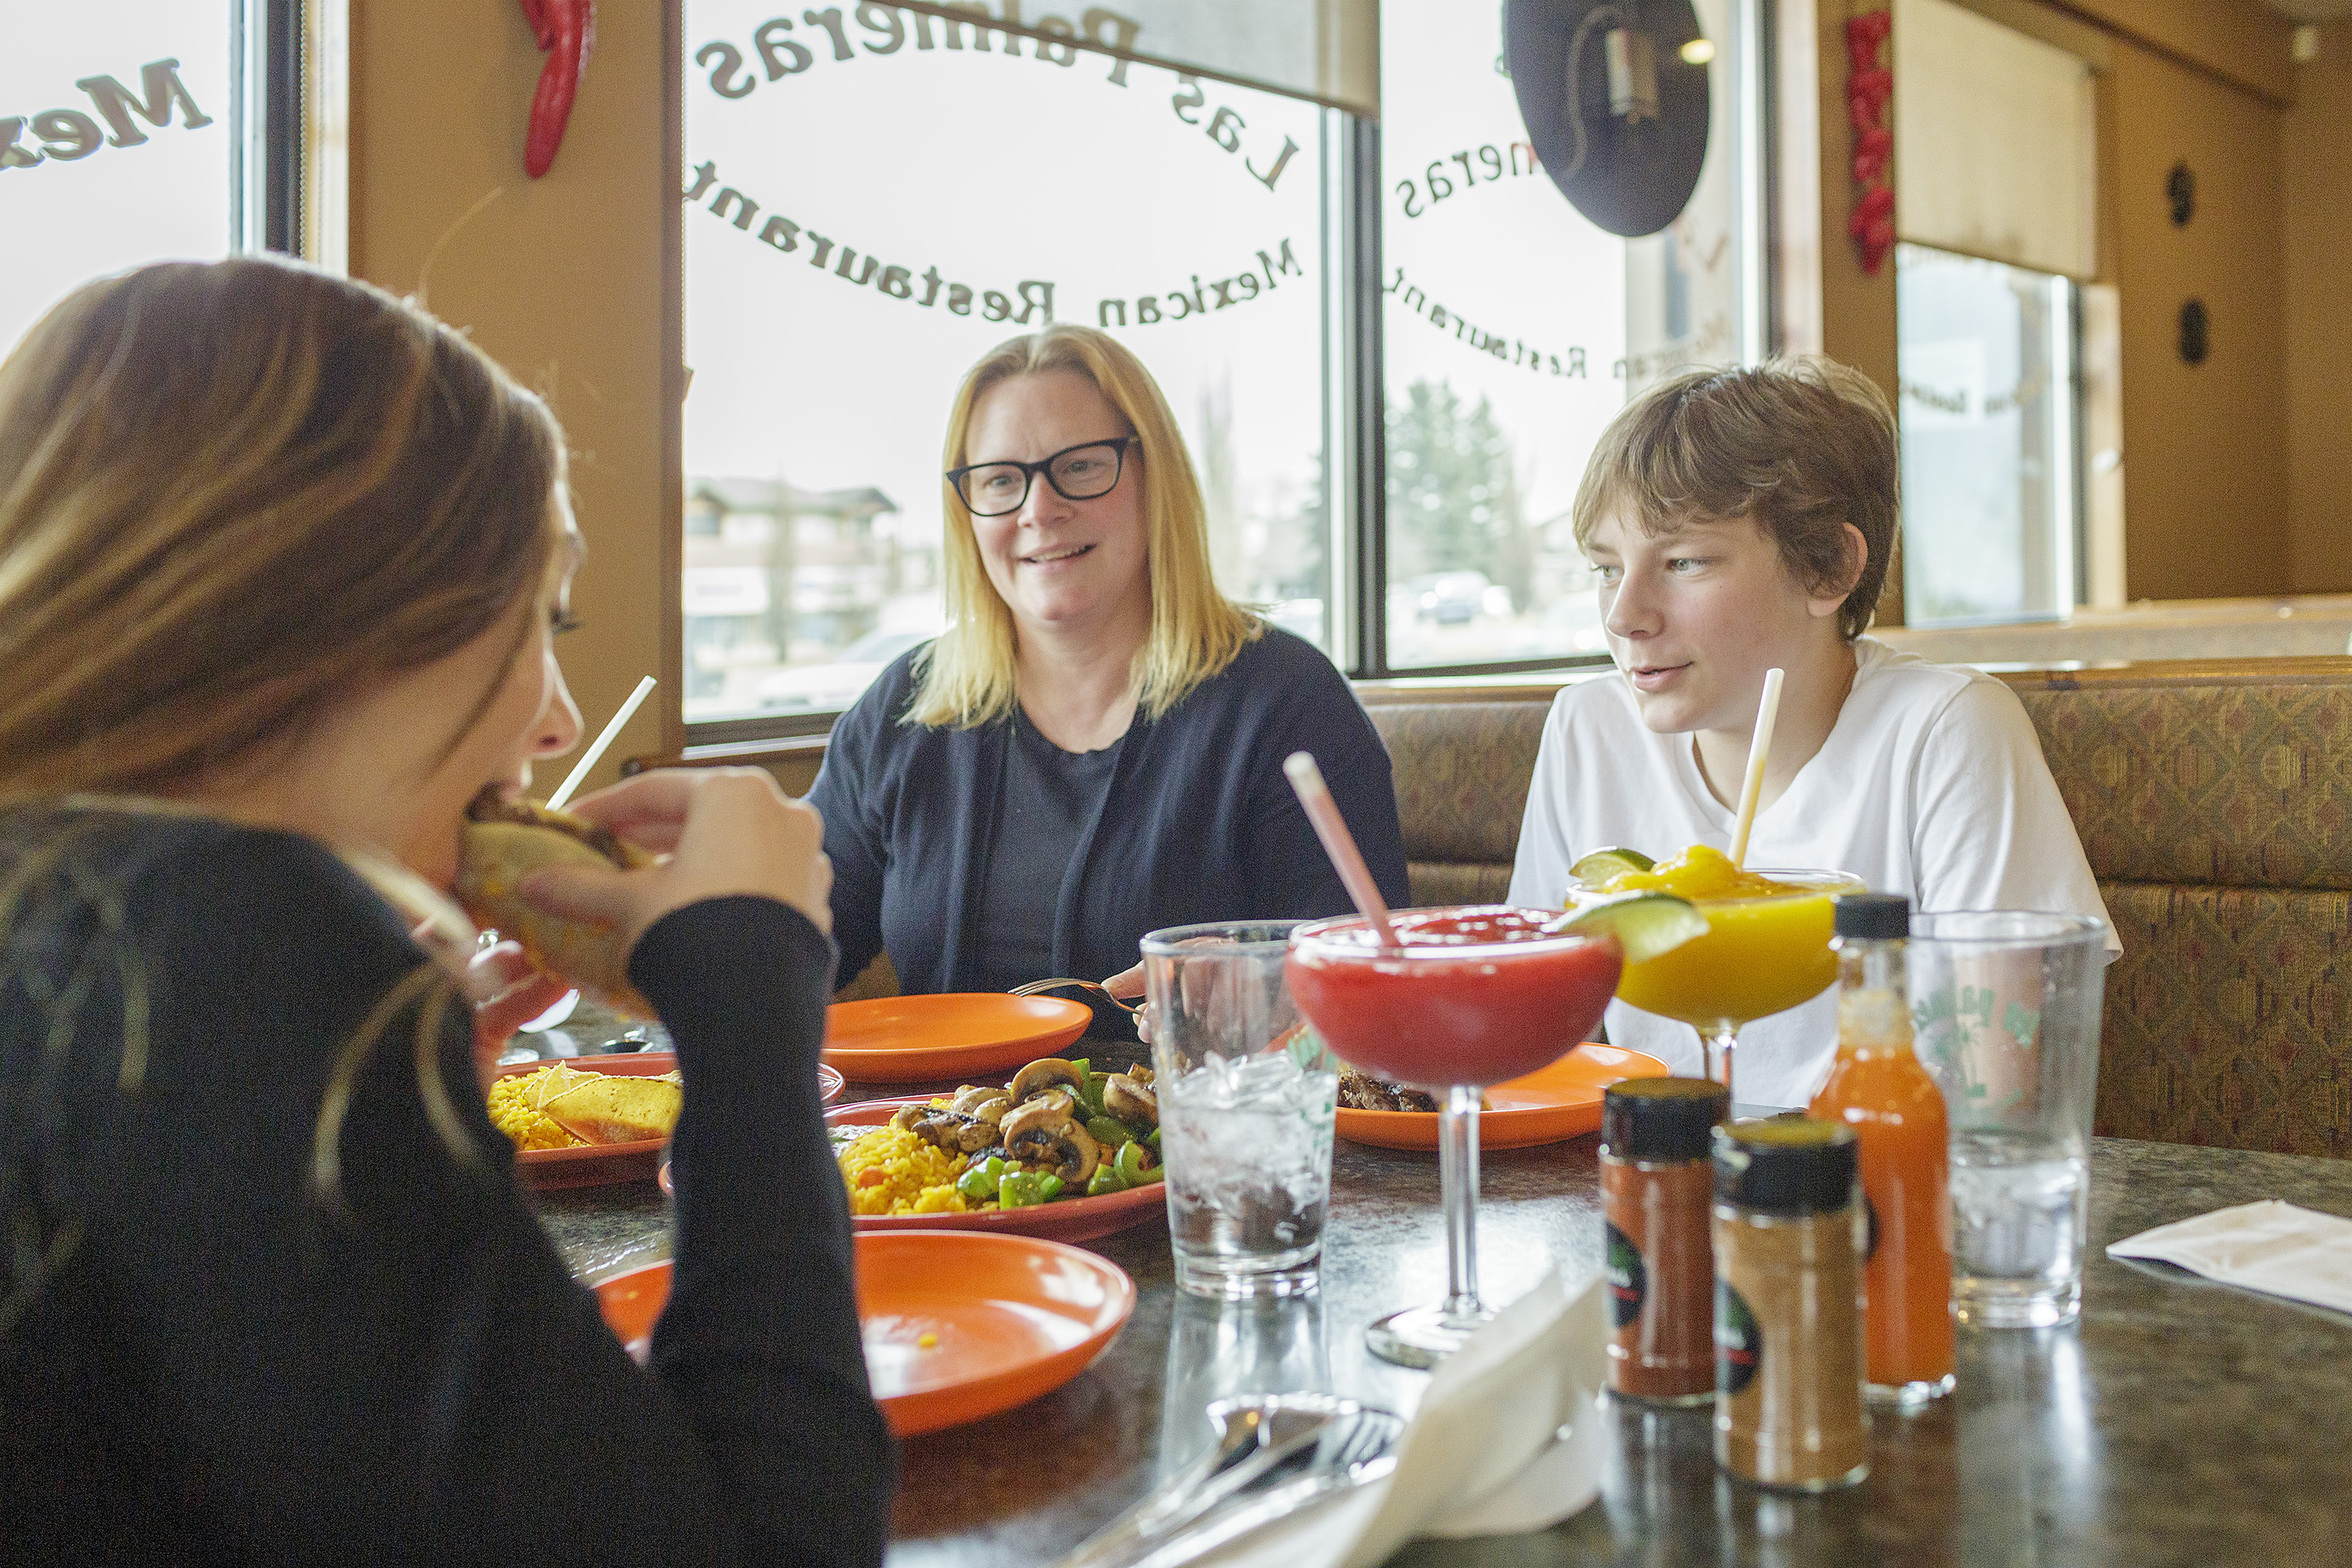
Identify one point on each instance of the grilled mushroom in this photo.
(1068, 1151)
(989, 1104)
(1048, 1113)
(1131, 1099)
(1048, 1072)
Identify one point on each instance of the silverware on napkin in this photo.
(1275, 1455)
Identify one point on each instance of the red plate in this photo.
(601, 1164)
(1008, 1318)
(1563, 1100)
(918, 1039)
(1079, 1219)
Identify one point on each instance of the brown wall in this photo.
(562, 279)
(2205, 492)
(2318, 157)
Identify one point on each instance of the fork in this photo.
(1240, 1486)
(1354, 1451)
(1034, 986)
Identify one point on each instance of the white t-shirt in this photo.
(1931, 785)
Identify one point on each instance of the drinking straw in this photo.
(564, 792)
(1338, 843)
(1760, 747)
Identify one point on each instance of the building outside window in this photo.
(130, 133)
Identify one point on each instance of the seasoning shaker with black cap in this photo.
(1788, 1316)
(1657, 1191)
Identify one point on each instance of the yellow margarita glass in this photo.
(1767, 947)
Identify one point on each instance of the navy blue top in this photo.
(1199, 822)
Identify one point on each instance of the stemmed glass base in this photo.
(1716, 1045)
(1423, 1336)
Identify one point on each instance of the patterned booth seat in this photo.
(2214, 801)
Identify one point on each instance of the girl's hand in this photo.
(1128, 983)
(718, 831)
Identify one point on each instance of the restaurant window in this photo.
(1515, 329)
(1996, 197)
(875, 197)
(1986, 356)
(140, 130)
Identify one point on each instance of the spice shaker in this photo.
(1787, 1314)
(1657, 1188)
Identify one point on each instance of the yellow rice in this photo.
(892, 1171)
(512, 1111)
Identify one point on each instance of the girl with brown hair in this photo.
(281, 563)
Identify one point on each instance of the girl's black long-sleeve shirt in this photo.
(228, 1336)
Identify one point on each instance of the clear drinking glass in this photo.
(1474, 995)
(2005, 1015)
(1247, 1099)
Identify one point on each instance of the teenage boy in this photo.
(1739, 521)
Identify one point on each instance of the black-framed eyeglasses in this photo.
(1082, 472)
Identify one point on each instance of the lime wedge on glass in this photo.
(1603, 864)
(1645, 924)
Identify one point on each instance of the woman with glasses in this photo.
(1094, 748)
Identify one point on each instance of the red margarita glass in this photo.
(1470, 995)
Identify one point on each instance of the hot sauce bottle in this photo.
(1657, 1184)
(1879, 1090)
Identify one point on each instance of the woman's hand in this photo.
(718, 831)
(1128, 983)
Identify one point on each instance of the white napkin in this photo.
(2272, 1247)
(1484, 1455)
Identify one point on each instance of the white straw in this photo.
(1759, 748)
(612, 731)
(1338, 843)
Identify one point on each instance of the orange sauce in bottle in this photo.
(1879, 1090)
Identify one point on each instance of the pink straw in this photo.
(1338, 843)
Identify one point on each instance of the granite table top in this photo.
(2177, 1422)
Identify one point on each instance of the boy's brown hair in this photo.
(1801, 446)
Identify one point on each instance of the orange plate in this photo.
(1562, 1101)
(914, 1039)
(1078, 1219)
(593, 1164)
(601, 1164)
(1009, 1318)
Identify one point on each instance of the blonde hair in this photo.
(968, 677)
(1802, 446)
(234, 495)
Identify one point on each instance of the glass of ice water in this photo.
(2005, 1011)
(1246, 1095)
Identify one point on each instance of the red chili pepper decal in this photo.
(566, 30)
(1869, 101)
